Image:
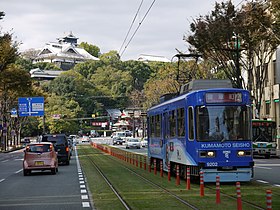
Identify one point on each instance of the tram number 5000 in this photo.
(212, 164)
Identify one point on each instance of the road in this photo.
(41, 190)
(267, 171)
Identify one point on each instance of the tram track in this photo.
(155, 185)
(110, 185)
(234, 198)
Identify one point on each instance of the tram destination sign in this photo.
(224, 97)
(33, 106)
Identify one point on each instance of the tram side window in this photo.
(181, 121)
(190, 123)
(157, 125)
(152, 126)
(172, 123)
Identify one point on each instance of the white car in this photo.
(132, 143)
(85, 139)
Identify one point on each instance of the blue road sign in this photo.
(31, 106)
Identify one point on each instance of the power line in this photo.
(131, 25)
(137, 28)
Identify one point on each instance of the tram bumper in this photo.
(238, 175)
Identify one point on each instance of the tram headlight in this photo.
(208, 154)
(243, 153)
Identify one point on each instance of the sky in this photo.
(105, 23)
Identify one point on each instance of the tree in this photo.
(114, 84)
(239, 40)
(74, 86)
(219, 26)
(91, 49)
(68, 111)
(139, 71)
(8, 51)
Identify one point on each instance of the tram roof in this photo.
(183, 96)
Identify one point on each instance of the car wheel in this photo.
(67, 162)
(25, 172)
(53, 171)
(56, 169)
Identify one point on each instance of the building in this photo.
(40, 74)
(270, 107)
(151, 58)
(65, 53)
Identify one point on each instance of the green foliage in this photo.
(91, 49)
(8, 51)
(139, 71)
(68, 109)
(25, 64)
(86, 69)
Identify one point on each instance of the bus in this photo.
(264, 138)
(204, 129)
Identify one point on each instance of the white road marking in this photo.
(85, 204)
(269, 164)
(4, 161)
(84, 197)
(277, 185)
(1, 180)
(18, 171)
(262, 181)
(263, 167)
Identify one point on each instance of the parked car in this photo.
(144, 142)
(61, 146)
(40, 156)
(132, 143)
(128, 133)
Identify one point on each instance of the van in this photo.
(61, 146)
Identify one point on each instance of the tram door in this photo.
(165, 137)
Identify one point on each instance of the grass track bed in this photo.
(140, 194)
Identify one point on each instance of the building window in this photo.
(267, 108)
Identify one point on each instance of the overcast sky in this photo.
(105, 23)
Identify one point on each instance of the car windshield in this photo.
(121, 134)
(133, 140)
(221, 123)
(57, 140)
(39, 148)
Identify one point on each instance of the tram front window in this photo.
(222, 123)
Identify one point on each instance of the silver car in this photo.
(132, 143)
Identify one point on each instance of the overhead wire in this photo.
(131, 25)
(140, 23)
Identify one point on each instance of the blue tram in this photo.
(207, 130)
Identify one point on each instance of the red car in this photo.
(40, 156)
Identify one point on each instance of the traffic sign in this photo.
(13, 112)
(31, 106)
